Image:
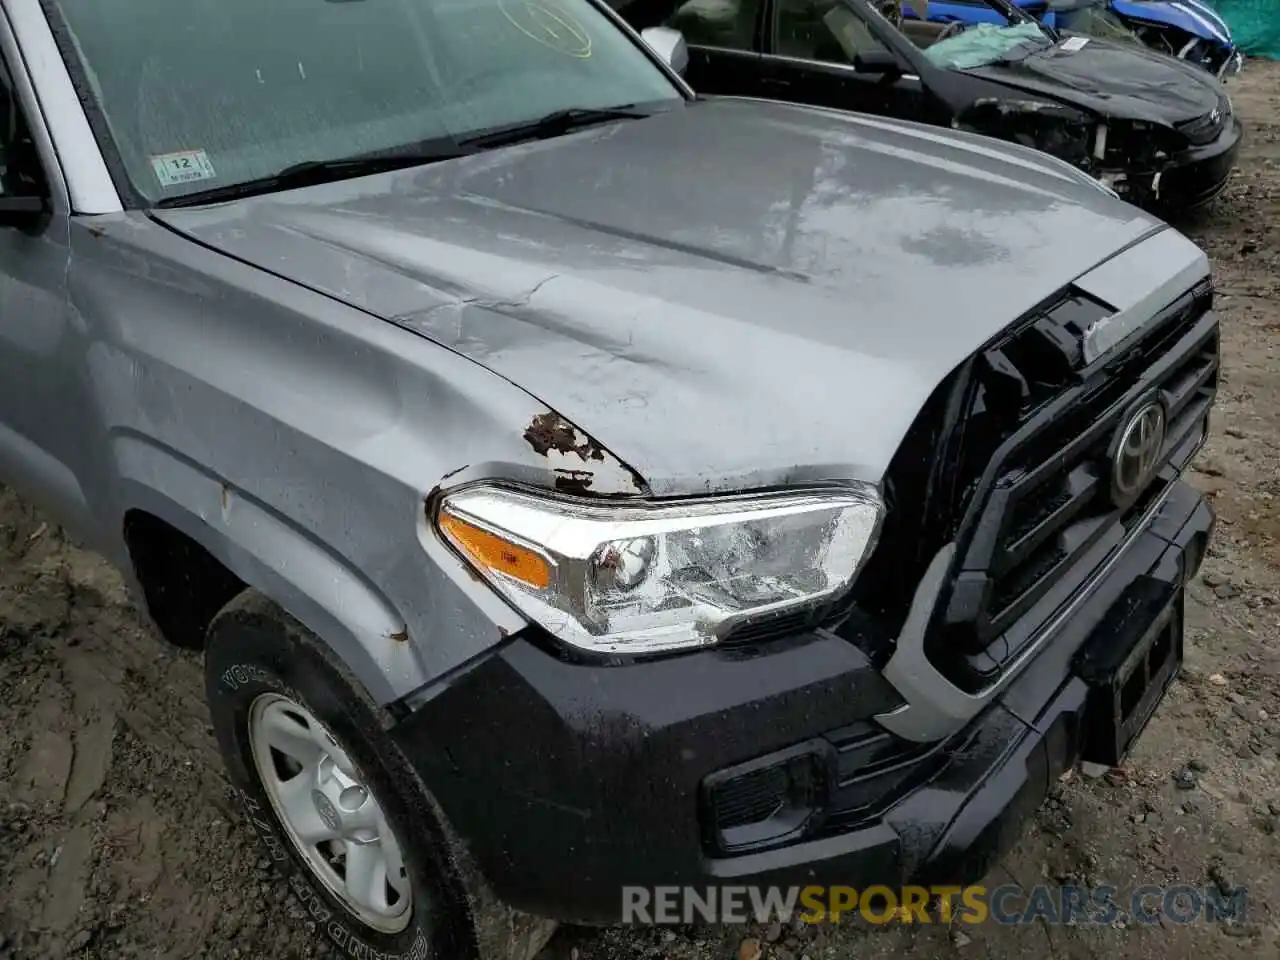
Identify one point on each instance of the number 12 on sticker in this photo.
(185, 166)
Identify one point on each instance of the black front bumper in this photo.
(569, 781)
(1192, 179)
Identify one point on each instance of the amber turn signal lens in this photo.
(492, 552)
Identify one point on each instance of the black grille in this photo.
(941, 466)
(1041, 422)
(1008, 460)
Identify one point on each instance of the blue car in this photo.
(1188, 29)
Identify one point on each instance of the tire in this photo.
(265, 672)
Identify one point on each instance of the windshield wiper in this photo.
(552, 125)
(310, 172)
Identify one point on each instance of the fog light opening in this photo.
(768, 802)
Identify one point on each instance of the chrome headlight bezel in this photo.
(565, 563)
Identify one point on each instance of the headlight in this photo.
(641, 578)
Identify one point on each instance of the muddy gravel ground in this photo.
(118, 836)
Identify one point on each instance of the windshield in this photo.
(1094, 19)
(210, 93)
(986, 43)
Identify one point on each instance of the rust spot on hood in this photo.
(549, 431)
(579, 462)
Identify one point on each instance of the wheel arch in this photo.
(168, 502)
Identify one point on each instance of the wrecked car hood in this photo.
(1118, 80)
(1199, 19)
(730, 294)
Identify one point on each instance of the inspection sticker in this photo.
(1072, 44)
(185, 166)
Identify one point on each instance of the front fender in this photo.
(298, 441)
(273, 555)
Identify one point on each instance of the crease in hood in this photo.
(732, 295)
(1119, 80)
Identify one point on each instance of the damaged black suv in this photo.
(1159, 132)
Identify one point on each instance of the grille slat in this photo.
(1079, 490)
(1190, 382)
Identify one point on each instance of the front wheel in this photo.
(336, 807)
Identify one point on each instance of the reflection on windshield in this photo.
(984, 44)
(1095, 21)
(206, 94)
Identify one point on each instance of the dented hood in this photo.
(1116, 80)
(730, 294)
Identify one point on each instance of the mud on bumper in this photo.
(569, 781)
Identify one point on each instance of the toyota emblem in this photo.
(1137, 452)
(327, 812)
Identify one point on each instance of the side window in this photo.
(729, 24)
(20, 174)
(824, 30)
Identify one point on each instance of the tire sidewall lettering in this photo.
(244, 674)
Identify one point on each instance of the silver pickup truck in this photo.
(575, 484)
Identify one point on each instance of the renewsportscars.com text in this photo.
(1007, 904)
